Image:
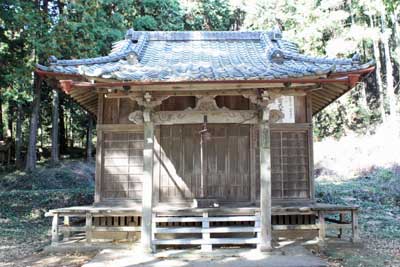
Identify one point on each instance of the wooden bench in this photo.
(88, 213)
(323, 210)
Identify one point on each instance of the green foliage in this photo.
(350, 114)
(31, 31)
(161, 15)
(24, 198)
(44, 178)
(330, 122)
(210, 15)
(145, 23)
(24, 203)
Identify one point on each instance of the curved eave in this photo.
(330, 87)
(330, 92)
(86, 100)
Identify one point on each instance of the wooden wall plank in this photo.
(300, 109)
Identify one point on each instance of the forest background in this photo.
(31, 31)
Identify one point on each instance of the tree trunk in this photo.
(1, 117)
(377, 56)
(388, 64)
(389, 76)
(89, 145)
(54, 129)
(33, 126)
(61, 133)
(71, 130)
(378, 70)
(18, 137)
(396, 30)
(10, 119)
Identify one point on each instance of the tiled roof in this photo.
(196, 56)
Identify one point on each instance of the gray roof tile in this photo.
(190, 56)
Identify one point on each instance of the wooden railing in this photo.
(206, 229)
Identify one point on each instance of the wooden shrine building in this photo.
(203, 138)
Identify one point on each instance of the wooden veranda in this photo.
(204, 227)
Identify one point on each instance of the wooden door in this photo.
(226, 163)
(227, 172)
(179, 178)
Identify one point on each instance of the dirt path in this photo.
(43, 259)
(369, 253)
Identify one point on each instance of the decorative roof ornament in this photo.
(356, 58)
(132, 58)
(52, 59)
(129, 34)
(276, 33)
(276, 56)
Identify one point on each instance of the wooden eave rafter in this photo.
(324, 89)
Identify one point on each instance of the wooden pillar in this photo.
(321, 222)
(67, 232)
(206, 235)
(88, 228)
(265, 184)
(147, 198)
(355, 237)
(99, 150)
(341, 220)
(54, 230)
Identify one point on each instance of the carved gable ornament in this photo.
(279, 110)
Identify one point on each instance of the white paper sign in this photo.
(286, 105)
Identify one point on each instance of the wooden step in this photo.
(207, 219)
(188, 230)
(211, 241)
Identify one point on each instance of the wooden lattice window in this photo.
(122, 165)
(290, 162)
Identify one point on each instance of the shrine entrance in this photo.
(225, 167)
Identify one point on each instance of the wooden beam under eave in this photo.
(215, 85)
(232, 92)
(93, 107)
(204, 87)
(316, 109)
(336, 87)
(89, 101)
(77, 92)
(353, 79)
(320, 101)
(328, 93)
(85, 97)
(66, 85)
(323, 97)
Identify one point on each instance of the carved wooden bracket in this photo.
(148, 101)
(264, 99)
(269, 111)
(206, 106)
